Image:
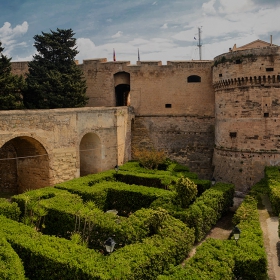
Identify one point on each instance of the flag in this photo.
(138, 55)
(114, 55)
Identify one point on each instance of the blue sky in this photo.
(162, 29)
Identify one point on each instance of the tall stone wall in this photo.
(174, 102)
(247, 110)
(173, 112)
(186, 139)
(39, 148)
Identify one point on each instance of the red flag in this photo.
(114, 55)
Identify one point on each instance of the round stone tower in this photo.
(247, 113)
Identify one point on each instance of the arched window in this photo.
(194, 79)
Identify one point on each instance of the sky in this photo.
(162, 30)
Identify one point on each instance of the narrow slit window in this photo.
(233, 134)
(168, 105)
(266, 115)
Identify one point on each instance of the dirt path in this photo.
(269, 225)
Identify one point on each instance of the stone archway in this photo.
(24, 164)
(90, 154)
(122, 88)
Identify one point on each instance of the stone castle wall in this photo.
(218, 117)
(174, 114)
(247, 110)
(43, 147)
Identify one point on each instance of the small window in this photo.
(238, 61)
(266, 115)
(233, 134)
(220, 75)
(194, 79)
(168, 105)
(269, 69)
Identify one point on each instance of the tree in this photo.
(11, 86)
(54, 80)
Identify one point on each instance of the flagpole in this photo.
(114, 55)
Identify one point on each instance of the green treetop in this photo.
(54, 80)
(10, 85)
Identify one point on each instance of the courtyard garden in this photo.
(133, 223)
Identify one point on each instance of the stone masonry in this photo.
(220, 117)
(44, 147)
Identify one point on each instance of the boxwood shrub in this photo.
(9, 210)
(48, 257)
(272, 175)
(11, 266)
(226, 259)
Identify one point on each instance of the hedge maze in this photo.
(59, 232)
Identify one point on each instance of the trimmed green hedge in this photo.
(11, 266)
(117, 195)
(224, 259)
(204, 213)
(272, 175)
(9, 210)
(146, 260)
(250, 259)
(48, 257)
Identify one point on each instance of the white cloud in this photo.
(118, 34)
(9, 36)
(236, 6)
(165, 26)
(208, 8)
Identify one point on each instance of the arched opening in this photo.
(194, 79)
(90, 154)
(24, 164)
(122, 88)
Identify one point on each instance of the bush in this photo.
(186, 191)
(209, 208)
(11, 266)
(149, 158)
(9, 210)
(272, 176)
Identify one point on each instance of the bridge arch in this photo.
(24, 164)
(122, 88)
(90, 154)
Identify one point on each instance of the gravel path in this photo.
(269, 225)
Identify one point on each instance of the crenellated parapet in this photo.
(253, 66)
(265, 80)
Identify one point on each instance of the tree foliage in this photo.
(11, 86)
(54, 80)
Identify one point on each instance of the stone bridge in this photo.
(40, 148)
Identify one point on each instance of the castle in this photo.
(219, 117)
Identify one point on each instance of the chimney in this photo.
(270, 40)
